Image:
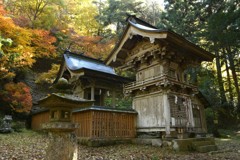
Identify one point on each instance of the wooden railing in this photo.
(162, 79)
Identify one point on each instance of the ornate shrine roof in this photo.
(137, 30)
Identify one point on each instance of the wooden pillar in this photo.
(167, 115)
(92, 92)
(191, 118)
(114, 98)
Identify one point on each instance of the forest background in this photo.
(35, 33)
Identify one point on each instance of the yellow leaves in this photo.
(26, 45)
(7, 75)
(81, 17)
(48, 77)
(92, 46)
(42, 43)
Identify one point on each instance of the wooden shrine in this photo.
(166, 100)
(91, 78)
(91, 81)
(163, 95)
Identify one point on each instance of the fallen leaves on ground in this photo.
(32, 146)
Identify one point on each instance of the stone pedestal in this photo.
(62, 147)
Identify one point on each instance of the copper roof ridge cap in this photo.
(144, 28)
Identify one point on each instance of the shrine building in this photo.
(166, 100)
(163, 95)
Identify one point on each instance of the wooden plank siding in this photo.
(38, 119)
(97, 124)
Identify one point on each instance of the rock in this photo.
(157, 142)
(175, 146)
(5, 127)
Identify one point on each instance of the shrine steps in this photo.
(195, 144)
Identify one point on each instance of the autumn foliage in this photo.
(26, 45)
(18, 96)
(94, 46)
(42, 42)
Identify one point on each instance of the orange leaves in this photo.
(27, 44)
(42, 41)
(18, 96)
(2, 11)
(93, 46)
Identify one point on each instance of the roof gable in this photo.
(138, 30)
(76, 62)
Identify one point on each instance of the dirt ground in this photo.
(32, 146)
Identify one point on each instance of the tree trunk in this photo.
(219, 78)
(228, 79)
(234, 75)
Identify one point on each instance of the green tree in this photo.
(214, 26)
(115, 12)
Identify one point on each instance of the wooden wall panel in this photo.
(96, 124)
(38, 119)
(105, 124)
(150, 111)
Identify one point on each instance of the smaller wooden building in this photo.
(91, 78)
(96, 122)
(93, 81)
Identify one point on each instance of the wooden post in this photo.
(167, 115)
(191, 119)
(92, 92)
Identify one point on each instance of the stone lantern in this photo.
(60, 126)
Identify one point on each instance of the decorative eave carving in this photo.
(143, 31)
(162, 82)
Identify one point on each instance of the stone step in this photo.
(206, 148)
(194, 144)
(203, 143)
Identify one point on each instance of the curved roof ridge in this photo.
(143, 27)
(139, 27)
(76, 62)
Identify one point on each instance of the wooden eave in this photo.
(133, 33)
(58, 100)
(105, 109)
(99, 76)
